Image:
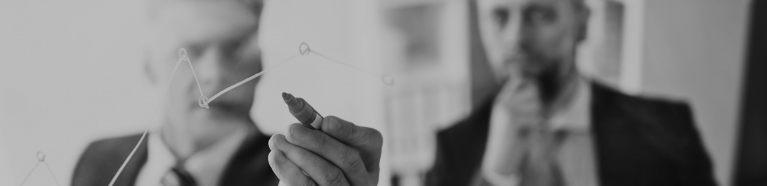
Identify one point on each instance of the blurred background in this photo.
(70, 72)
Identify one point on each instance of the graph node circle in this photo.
(203, 101)
(387, 79)
(304, 49)
(40, 156)
(182, 53)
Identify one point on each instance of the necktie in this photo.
(539, 166)
(178, 176)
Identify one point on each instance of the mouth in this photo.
(516, 59)
(230, 107)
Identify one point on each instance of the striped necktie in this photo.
(539, 166)
(178, 176)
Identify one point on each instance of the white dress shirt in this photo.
(205, 166)
(574, 155)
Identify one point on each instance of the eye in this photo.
(501, 16)
(540, 15)
(193, 51)
(231, 50)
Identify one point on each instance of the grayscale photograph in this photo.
(383, 93)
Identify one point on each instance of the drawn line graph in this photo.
(40, 158)
(203, 101)
(303, 50)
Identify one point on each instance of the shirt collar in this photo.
(206, 166)
(576, 114)
(159, 161)
(572, 116)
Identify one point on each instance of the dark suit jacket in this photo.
(638, 141)
(100, 161)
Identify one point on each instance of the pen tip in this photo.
(286, 96)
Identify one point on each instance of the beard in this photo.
(550, 76)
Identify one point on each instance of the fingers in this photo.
(351, 134)
(319, 169)
(367, 140)
(287, 171)
(345, 157)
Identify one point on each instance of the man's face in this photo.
(220, 40)
(530, 37)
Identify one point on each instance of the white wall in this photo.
(69, 73)
(694, 50)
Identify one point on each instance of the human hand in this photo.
(339, 153)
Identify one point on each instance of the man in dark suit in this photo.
(639, 141)
(547, 125)
(193, 145)
(543, 124)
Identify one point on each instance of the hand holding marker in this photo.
(336, 152)
(302, 111)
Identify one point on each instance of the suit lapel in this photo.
(627, 151)
(462, 147)
(130, 172)
(631, 147)
(250, 165)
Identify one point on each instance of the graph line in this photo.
(30, 173)
(51, 171)
(385, 78)
(259, 74)
(303, 50)
(182, 57)
(40, 158)
(119, 171)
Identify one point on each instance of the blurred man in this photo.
(547, 125)
(221, 145)
(193, 145)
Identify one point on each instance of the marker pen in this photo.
(304, 112)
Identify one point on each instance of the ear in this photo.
(147, 68)
(583, 21)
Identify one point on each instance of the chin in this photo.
(536, 69)
(226, 110)
(213, 118)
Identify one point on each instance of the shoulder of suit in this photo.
(672, 115)
(116, 146)
(655, 110)
(108, 153)
(475, 124)
(102, 158)
(640, 101)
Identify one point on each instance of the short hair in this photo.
(153, 6)
(580, 5)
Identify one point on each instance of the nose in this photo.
(209, 69)
(513, 34)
